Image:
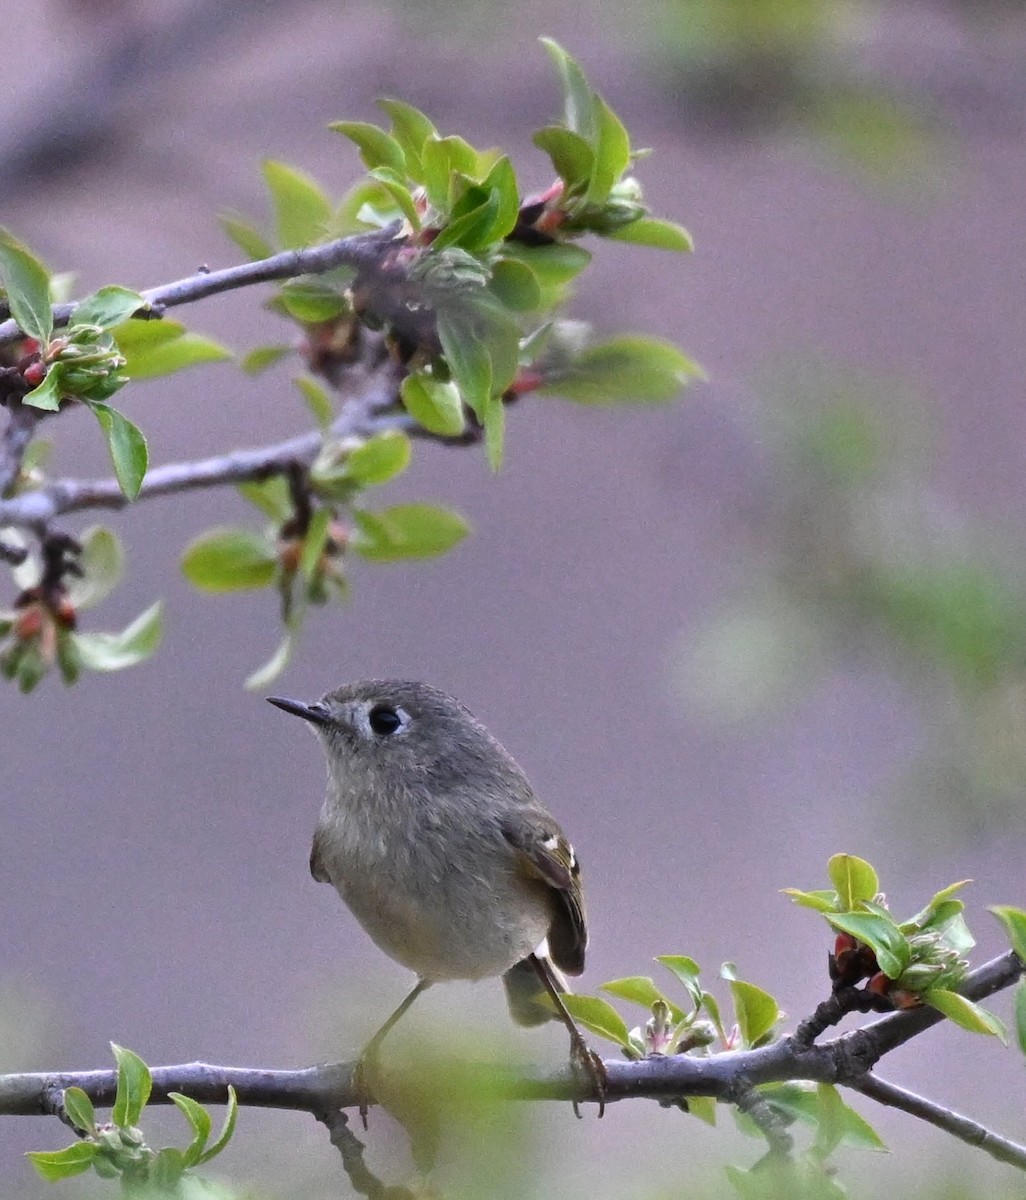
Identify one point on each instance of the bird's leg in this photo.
(581, 1054)
(370, 1051)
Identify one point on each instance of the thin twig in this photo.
(357, 250)
(21, 425)
(966, 1130)
(363, 1179)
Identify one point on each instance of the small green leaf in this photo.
(274, 666)
(854, 880)
(262, 357)
(313, 543)
(442, 160)
(572, 157)
(495, 431)
(379, 459)
(154, 348)
(612, 153)
(407, 531)
(516, 285)
(133, 1089)
(271, 496)
(317, 400)
(640, 989)
(377, 148)
(881, 935)
(108, 307)
(627, 369)
(704, 1108)
(1020, 1014)
(578, 98)
(756, 1010)
(301, 209)
(468, 360)
(199, 1119)
(62, 1164)
(554, 265)
(822, 901)
(229, 560)
(48, 395)
(433, 403)
(598, 1016)
(166, 1170)
(411, 129)
(473, 230)
(686, 971)
(649, 231)
(80, 1109)
(225, 1136)
(116, 651)
(312, 300)
(502, 181)
(127, 447)
(965, 1012)
(1014, 921)
(28, 288)
(246, 236)
(101, 563)
(399, 192)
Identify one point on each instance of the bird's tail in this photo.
(528, 1000)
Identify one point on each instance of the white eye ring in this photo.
(380, 720)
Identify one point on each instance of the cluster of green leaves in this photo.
(117, 1149)
(34, 636)
(305, 561)
(917, 961)
(101, 348)
(488, 266)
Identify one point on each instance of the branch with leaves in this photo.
(427, 303)
(914, 971)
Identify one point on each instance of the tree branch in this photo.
(357, 250)
(963, 1128)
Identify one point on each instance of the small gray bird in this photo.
(431, 834)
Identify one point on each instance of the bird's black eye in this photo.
(384, 720)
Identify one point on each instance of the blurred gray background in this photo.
(649, 613)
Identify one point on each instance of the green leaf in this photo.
(48, 395)
(502, 181)
(271, 496)
(62, 1164)
(433, 403)
(965, 1012)
(165, 1171)
(649, 231)
(115, 651)
(515, 285)
(756, 1010)
(626, 370)
(274, 666)
(1020, 1014)
(108, 307)
(312, 300)
(1014, 921)
(822, 901)
(640, 989)
(411, 129)
(598, 1016)
(578, 98)
(399, 192)
(572, 157)
(246, 236)
(379, 459)
(495, 431)
(302, 211)
(377, 148)
(317, 400)
(473, 230)
(881, 935)
(127, 446)
(407, 531)
(28, 288)
(704, 1108)
(612, 153)
(686, 971)
(262, 357)
(229, 560)
(554, 265)
(199, 1119)
(314, 542)
(225, 1136)
(101, 562)
(468, 360)
(442, 159)
(854, 880)
(133, 1089)
(153, 348)
(80, 1109)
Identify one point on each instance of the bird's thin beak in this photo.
(315, 713)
